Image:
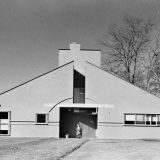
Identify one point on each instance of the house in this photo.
(79, 91)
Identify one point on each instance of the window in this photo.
(153, 119)
(42, 118)
(4, 123)
(148, 119)
(129, 119)
(79, 88)
(158, 119)
(142, 119)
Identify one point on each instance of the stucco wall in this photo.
(127, 132)
(105, 88)
(32, 130)
(120, 97)
(79, 57)
(38, 96)
(66, 56)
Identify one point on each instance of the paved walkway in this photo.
(97, 149)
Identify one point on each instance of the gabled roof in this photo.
(34, 78)
(122, 79)
(63, 66)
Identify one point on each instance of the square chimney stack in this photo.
(74, 46)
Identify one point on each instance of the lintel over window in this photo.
(42, 118)
(142, 119)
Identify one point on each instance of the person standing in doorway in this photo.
(78, 131)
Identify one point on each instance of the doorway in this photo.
(70, 117)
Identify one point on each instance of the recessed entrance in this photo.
(70, 117)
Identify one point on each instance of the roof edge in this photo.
(83, 49)
(34, 78)
(122, 79)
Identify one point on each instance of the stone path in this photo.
(97, 149)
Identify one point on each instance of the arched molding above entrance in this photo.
(67, 99)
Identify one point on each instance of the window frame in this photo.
(145, 119)
(46, 119)
(8, 124)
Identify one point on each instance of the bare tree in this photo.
(153, 66)
(125, 46)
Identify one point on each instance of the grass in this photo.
(102, 149)
(37, 148)
(58, 149)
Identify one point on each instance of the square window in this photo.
(140, 119)
(129, 119)
(41, 118)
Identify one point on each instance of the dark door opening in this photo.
(70, 117)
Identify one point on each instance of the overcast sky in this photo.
(32, 31)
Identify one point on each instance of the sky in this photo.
(32, 31)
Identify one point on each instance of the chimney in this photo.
(74, 46)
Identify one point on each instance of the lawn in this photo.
(72, 149)
(103, 149)
(37, 148)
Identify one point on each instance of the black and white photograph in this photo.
(79, 79)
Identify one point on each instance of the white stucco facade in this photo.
(31, 98)
(79, 57)
(52, 94)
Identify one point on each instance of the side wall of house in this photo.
(116, 98)
(38, 96)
